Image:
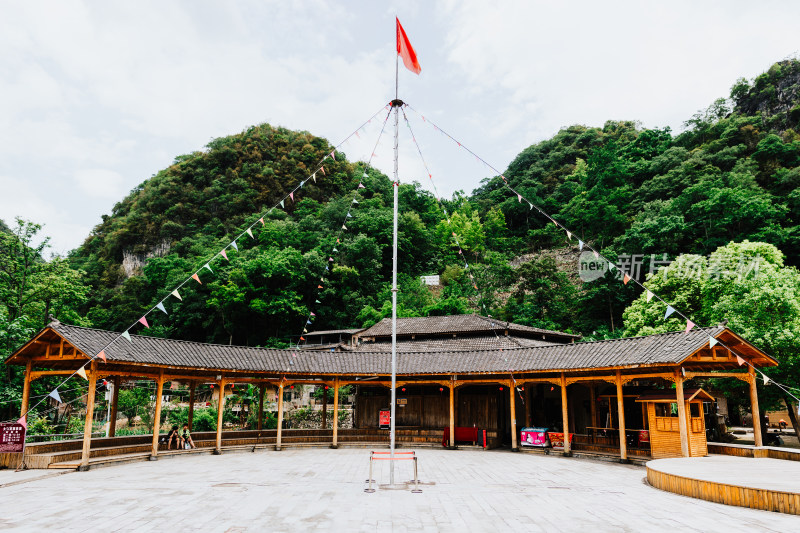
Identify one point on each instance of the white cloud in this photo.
(100, 182)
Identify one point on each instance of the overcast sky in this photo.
(96, 97)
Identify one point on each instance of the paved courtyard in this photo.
(323, 490)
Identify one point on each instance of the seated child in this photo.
(187, 437)
(174, 435)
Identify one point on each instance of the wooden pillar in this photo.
(565, 415)
(192, 387)
(262, 389)
(87, 427)
(452, 413)
(157, 415)
(593, 405)
(623, 443)
(757, 437)
(512, 400)
(681, 414)
(335, 413)
(325, 407)
(280, 416)
(112, 418)
(220, 411)
(26, 390)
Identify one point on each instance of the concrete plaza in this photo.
(323, 490)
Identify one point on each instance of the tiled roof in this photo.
(666, 348)
(448, 344)
(332, 332)
(431, 325)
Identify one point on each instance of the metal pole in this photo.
(396, 186)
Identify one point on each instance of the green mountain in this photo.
(732, 175)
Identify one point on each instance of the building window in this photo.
(666, 409)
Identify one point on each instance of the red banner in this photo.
(12, 438)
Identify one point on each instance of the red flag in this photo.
(406, 51)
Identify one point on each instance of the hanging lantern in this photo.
(403, 389)
(441, 389)
(501, 388)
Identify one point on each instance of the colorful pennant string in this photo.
(712, 342)
(235, 246)
(224, 254)
(54, 395)
(143, 321)
(160, 305)
(625, 279)
(670, 310)
(250, 232)
(740, 360)
(649, 296)
(82, 373)
(689, 326)
(176, 294)
(208, 267)
(102, 354)
(197, 278)
(127, 336)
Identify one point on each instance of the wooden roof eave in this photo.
(761, 359)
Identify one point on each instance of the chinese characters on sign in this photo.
(12, 438)
(642, 266)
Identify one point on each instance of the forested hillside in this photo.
(732, 175)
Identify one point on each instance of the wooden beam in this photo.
(565, 415)
(512, 400)
(744, 376)
(623, 444)
(681, 414)
(157, 416)
(335, 413)
(280, 417)
(452, 413)
(87, 427)
(26, 390)
(112, 418)
(220, 412)
(262, 389)
(36, 374)
(757, 437)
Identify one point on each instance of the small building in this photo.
(663, 416)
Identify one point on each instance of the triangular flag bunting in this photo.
(569, 235)
(712, 342)
(333, 155)
(319, 286)
(176, 294)
(330, 259)
(54, 395)
(291, 195)
(82, 373)
(335, 250)
(160, 305)
(766, 380)
(313, 314)
(261, 220)
(23, 421)
(670, 310)
(235, 246)
(308, 322)
(689, 326)
(127, 336)
(355, 201)
(102, 355)
(143, 321)
(317, 301)
(224, 254)
(281, 202)
(612, 266)
(596, 255)
(580, 245)
(314, 177)
(349, 215)
(649, 296)
(740, 360)
(365, 174)
(250, 232)
(302, 339)
(208, 267)
(361, 186)
(326, 268)
(302, 183)
(519, 197)
(197, 278)
(625, 279)
(344, 227)
(530, 204)
(323, 170)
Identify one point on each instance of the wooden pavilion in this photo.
(500, 390)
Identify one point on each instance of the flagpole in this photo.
(396, 103)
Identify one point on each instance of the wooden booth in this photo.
(664, 415)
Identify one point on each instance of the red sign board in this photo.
(384, 418)
(12, 438)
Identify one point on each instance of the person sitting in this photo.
(174, 435)
(187, 436)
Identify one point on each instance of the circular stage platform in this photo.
(761, 483)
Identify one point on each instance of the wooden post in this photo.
(565, 415)
(623, 443)
(325, 407)
(26, 391)
(593, 405)
(335, 413)
(280, 416)
(157, 415)
(192, 387)
(87, 427)
(757, 437)
(452, 413)
(512, 399)
(220, 411)
(112, 418)
(681, 414)
(262, 389)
